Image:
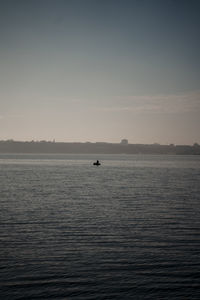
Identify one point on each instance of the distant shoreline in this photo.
(44, 147)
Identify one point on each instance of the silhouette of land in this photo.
(11, 146)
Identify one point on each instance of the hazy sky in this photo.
(100, 70)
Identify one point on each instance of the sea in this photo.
(128, 229)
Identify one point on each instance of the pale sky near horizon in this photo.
(100, 70)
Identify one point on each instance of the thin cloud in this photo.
(174, 103)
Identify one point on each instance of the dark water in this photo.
(129, 229)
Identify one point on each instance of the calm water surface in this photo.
(129, 229)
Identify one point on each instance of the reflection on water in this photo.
(128, 229)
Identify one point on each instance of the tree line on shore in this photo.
(11, 146)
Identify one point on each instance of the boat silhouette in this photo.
(97, 163)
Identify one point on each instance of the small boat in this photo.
(97, 163)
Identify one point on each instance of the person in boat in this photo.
(97, 163)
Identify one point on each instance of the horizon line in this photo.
(97, 142)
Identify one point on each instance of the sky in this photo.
(100, 70)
